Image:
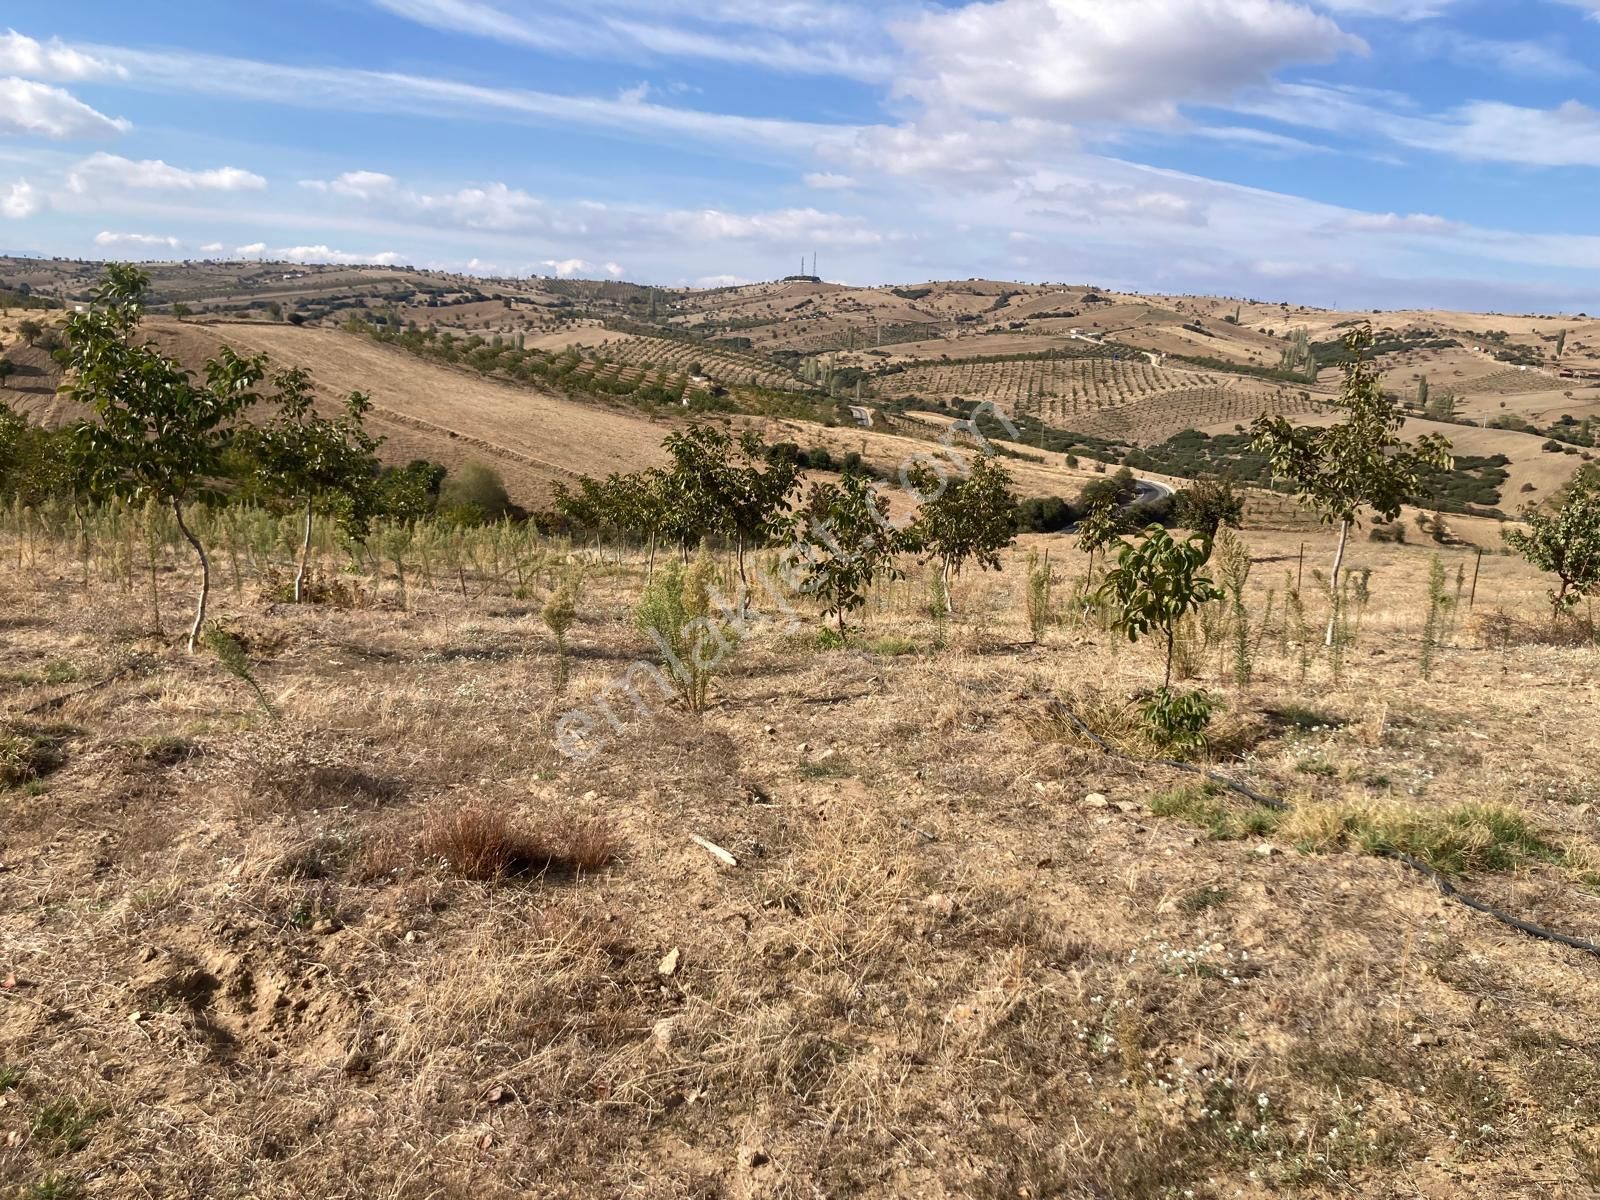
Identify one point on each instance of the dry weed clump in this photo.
(1120, 722)
(482, 840)
(30, 752)
(1500, 630)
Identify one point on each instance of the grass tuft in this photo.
(481, 840)
(1215, 811)
(1457, 840)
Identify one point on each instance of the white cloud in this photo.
(1087, 200)
(1137, 60)
(54, 59)
(720, 281)
(35, 108)
(253, 250)
(951, 148)
(20, 201)
(146, 241)
(357, 185)
(326, 254)
(828, 181)
(490, 207)
(212, 248)
(567, 267)
(791, 37)
(788, 227)
(1415, 223)
(1491, 131)
(110, 173)
(319, 88)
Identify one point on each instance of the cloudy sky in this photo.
(1343, 152)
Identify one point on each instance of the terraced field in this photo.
(665, 357)
(1049, 388)
(1154, 419)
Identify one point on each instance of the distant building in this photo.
(862, 415)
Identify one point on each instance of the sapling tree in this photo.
(315, 464)
(1097, 530)
(157, 435)
(1565, 542)
(969, 519)
(1156, 583)
(1360, 462)
(843, 543)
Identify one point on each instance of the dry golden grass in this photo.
(398, 946)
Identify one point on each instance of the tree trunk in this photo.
(1333, 582)
(1171, 639)
(205, 576)
(305, 554)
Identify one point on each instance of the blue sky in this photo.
(1358, 153)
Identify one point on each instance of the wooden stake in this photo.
(1478, 566)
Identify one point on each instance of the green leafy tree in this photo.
(969, 519)
(1209, 505)
(315, 464)
(6, 368)
(1097, 530)
(157, 435)
(843, 543)
(1565, 543)
(1357, 463)
(719, 485)
(1156, 583)
(30, 331)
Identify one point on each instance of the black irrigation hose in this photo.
(1446, 888)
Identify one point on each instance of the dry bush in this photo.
(318, 588)
(482, 840)
(1500, 630)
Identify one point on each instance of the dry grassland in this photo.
(395, 945)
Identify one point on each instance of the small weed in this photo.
(835, 767)
(28, 755)
(61, 671)
(10, 1078)
(1315, 764)
(829, 639)
(62, 1126)
(52, 1187)
(1204, 898)
(892, 646)
(1302, 719)
(1209, 807)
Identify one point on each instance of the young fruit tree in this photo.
(969, 519)
(719, 485)
(157, 435)
(1360, 462)
(315, 464)
(1156, 583)
(1565, 542)
(843, 543)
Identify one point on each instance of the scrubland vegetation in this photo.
(729, 830)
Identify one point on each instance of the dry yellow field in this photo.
(962, 953)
